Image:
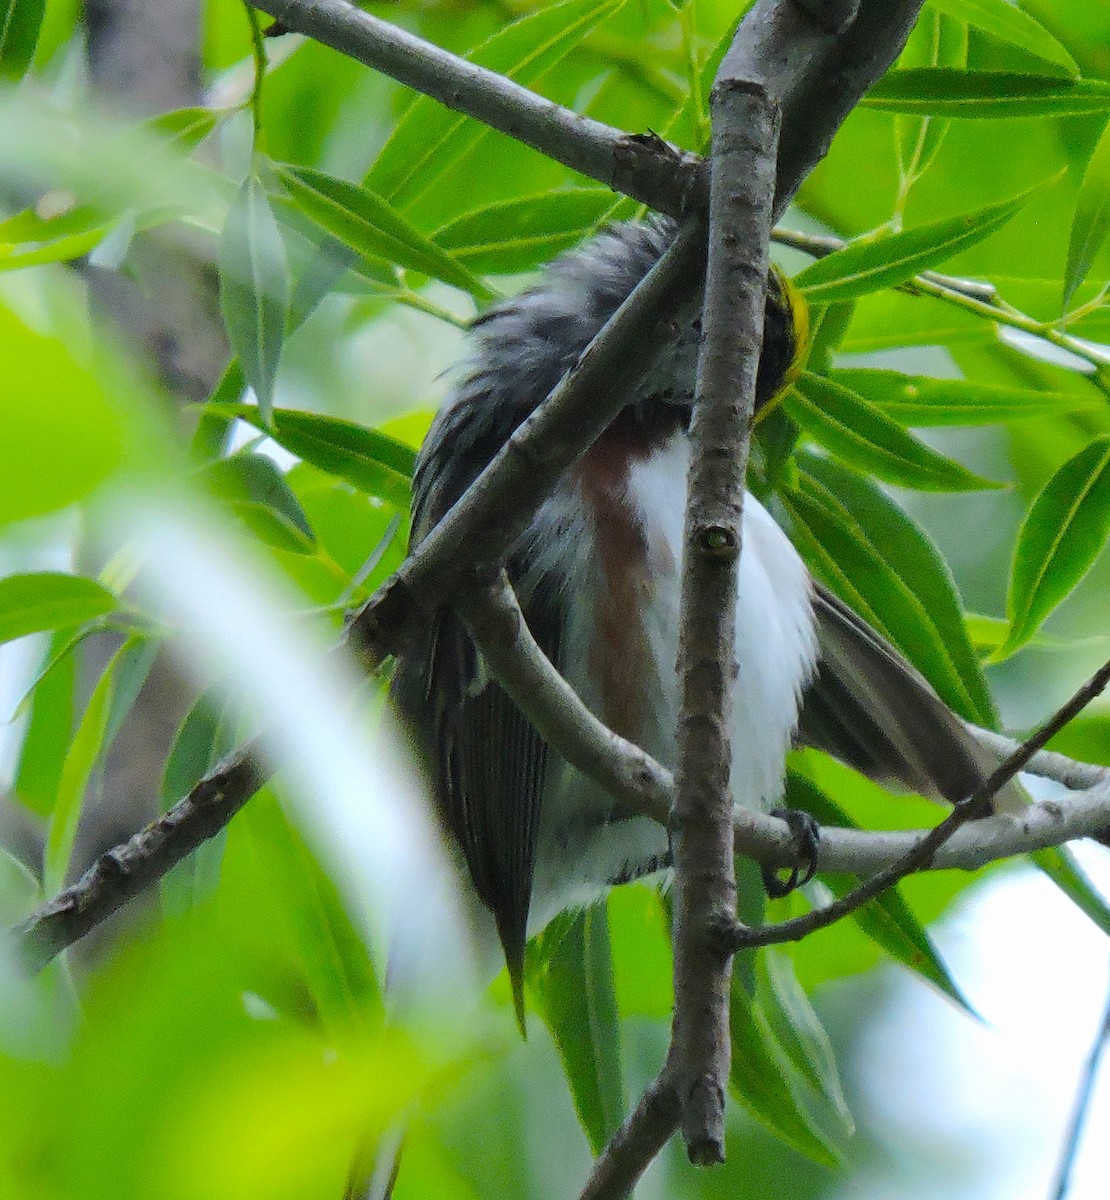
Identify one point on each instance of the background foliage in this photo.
(944, 464)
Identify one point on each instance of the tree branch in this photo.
(644, 167)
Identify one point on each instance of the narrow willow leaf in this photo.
(938, 41)
(186, 128)
(570, 976)
(942, 91)
(429, 139)
(259, 480)
(866, 438)
(933, 633)
(1011, 24)
(873, 263)
(919, 400)
(800, 1032)
(374, 462)
(1059, 540)
(371, 227)
(20, 22)
(764, 1079)
(520, 235)
(254, 288)
(49, 728)
(888, 919)
(49, 600)
(1091, 222)
(273, 528)
(1060, 865)
(77, 770)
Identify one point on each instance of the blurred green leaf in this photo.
(20, 22)
(1091, 223)
(186, 127)
(942, 91)
(918, 400)
(1060, 865)
(521, 234)
(570, 976)
(1011, 24)
(905, 581)
(49, 727)
(872, 263)
(429, 139)
(80, 762)
(273, 528)
(374, 462)
(254, 288)
(370, 226)
(837, 418)
(1062, 535)
(46, 600)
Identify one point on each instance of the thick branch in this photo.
(645, 168)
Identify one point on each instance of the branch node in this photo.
(719, 543)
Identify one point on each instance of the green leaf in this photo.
(1059, 540)
(888, 919)
(257, 479)
(937, 41)
(570, 976)
(942, 91)
(20, 22)
(764, 1079)
(919, 400)
(273, 528)
(49, 600)
(59, 435)
(873, 263)
(1091, 222)
(904, 580)
(866, 438)
(1060, 865)
(84, 751)
(49, 727)
(1011, 24)
(520, 235)
(371, 227)
(254, 288)
(374, 462)
(429, 139)
(799, 1031)
(186, 128)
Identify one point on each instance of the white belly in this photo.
(578, 854)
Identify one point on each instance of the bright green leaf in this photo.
(866, 438)
(20, 22)
(49, 727)
(872, 263)
(1011, 24)
(942, 91)
(1060, 865)
(1091, 222)
(918, 400)
(373, 462)
(371, 227)
(49, 600)
(254, 288)
(1059, 540)
(570, 976)
(186, 127)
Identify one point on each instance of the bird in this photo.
(597, 573)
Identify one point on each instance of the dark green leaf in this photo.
(1011, 24)
(1059, 540)
(254, 288)
(904, 579)
(942, 91)
(258, 479)
(570, 976)
(273, 528)
(1059, 864)
(873, 263)
(520, 235)
(49, 600)
(20, 22)
(1091, 222)
(429, 139)
(922, 401)
(374, 462)
(861, 434)
(370, 226)
(888, 919)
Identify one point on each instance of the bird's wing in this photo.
(871, 709)
(485, 760)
